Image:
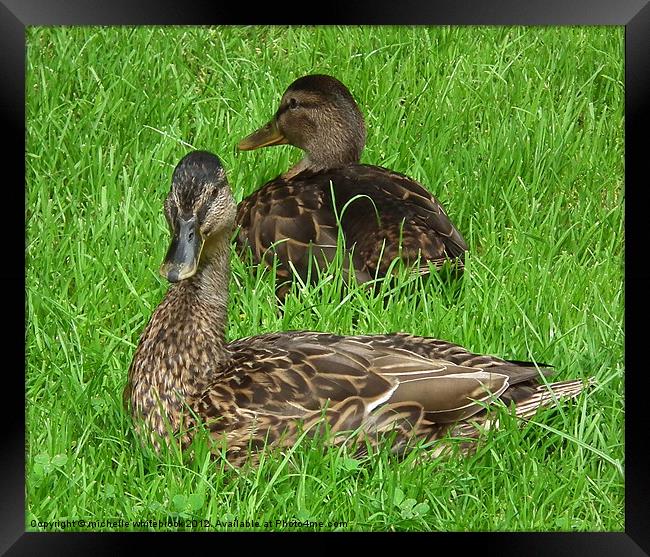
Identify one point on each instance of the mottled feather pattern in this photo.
(268, 390)
(173, 360)
(271, 387)
(384, 215)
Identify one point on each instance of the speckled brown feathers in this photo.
(387, 215)
(383, 215)
(270, 389)
(267, 390)
(174, 361)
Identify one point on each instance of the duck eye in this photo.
(293, 103)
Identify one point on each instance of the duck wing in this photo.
(522, 376)
(383, 215)
(294, 373)
(389, 216)
(293, 221)
(279, 384)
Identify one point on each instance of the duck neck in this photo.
(195, 311)
(319, 164)
(207, 292)
(183, 345)
(341, 146)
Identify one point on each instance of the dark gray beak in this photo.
(183, 255)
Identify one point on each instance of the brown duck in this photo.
(383, 215)
(267, 389)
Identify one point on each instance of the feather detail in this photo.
(269, 390)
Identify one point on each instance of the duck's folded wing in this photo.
(426, 213)
(386, 215)
(293, 374)
(450, 382)
(523, 377)
(296, 373)
(448, 392)
(294, 224)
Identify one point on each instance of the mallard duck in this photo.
(266, 389)
(383, 214)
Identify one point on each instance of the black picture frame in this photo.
(16, 15)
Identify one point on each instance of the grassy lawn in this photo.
(518, 132)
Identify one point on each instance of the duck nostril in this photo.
(190, 235)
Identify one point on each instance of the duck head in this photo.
(318, 115)
(200, 210)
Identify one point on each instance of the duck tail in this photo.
(549, 395)
(543, 396)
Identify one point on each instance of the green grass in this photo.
(518, 132)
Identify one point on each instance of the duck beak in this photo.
(265, 136)
(183, 255)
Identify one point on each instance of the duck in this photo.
(265, 391)
(297, 217)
